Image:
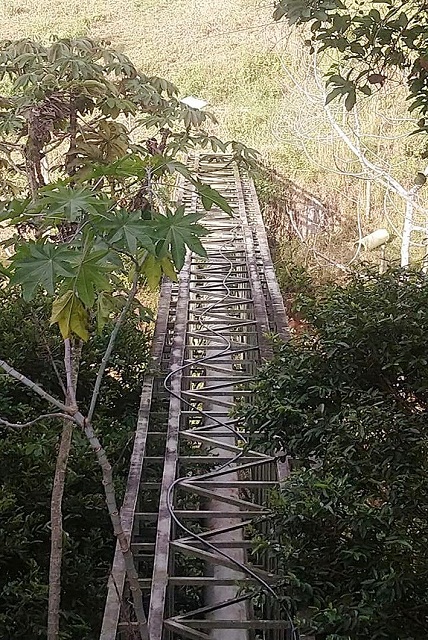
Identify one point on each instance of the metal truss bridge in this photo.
(197, 495)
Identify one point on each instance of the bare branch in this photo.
(110, 346)
(71, 391)
(44, 416)
(33, 386)
(380, 174)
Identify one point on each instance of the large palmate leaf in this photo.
(70, 314)
(126, 230)
(70, 203)
(41, 264)
(139, 165)
(153, 268)
(211, 197)
(175, 231)
(91, 275)
(128, 166)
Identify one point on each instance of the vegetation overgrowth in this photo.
(370, 52)
(351, 519)
(28, 465)
(89, 149)
(347, 401)
(258, 78)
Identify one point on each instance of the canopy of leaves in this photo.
(349, 403)
(91, 207)
(374, 39)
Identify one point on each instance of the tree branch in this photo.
(110, 346)
(380, 174)
(34, 387)
(68, 363)
(44, 416)
(72, 353)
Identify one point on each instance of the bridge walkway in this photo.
(197, 496)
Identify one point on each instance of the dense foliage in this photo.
(90, 149)
(88, 146)
(28, 463)
(374, 39)
(349, 403)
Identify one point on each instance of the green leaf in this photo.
(69, 202)
(126, 167)
(92, 275)
(41, 264)
(210, 197)
(333, 94)
(350, 100)
(70, 315)
(13, 210)
(279, 12)
(168, 269)
(175, 231)
(4, 272)
(127, 230)
(153, 271)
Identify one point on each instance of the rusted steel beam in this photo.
(127, 513)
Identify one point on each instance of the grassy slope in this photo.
(230, 53)
(221, 50)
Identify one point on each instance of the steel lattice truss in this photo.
(196, 495)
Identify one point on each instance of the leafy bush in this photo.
(27, 469)
(349, 404)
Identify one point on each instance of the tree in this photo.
(370, 48)
(376, 39)
(28, 467)
(88, 147)
(348, 402)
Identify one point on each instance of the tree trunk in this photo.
(57, 532)
(110, 495)
(405, 240)
(72, 359)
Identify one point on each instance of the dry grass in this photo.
(230, 53)
(221, 50)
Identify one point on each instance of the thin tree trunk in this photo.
(55, 561)
(405, 240)
(72, 359)
(110, 494)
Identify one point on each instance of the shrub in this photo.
(349, 404)
(27, 469)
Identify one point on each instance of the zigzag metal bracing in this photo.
(196, 495)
